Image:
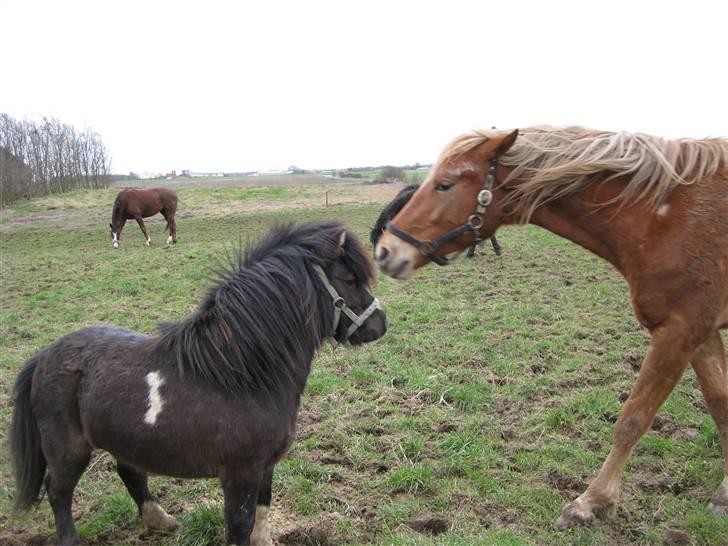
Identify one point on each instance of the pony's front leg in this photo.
(261, 531)
(241, 497)
(664, 364)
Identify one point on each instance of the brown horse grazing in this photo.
(139, 203)
(216, 394)
(655, 209)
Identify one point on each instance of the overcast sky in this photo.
(237, 86)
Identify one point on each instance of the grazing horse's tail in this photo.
(28, 459)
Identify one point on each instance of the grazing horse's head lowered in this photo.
(213, 395)
(656, 209)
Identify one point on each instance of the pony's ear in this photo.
(507, 142)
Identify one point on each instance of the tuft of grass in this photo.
(203, 526)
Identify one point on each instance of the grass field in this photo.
(487, 406)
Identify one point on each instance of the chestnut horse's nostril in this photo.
(383, 252)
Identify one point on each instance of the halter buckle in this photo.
(426, 247)
(475, 221)
(339, 303)
(485, 198)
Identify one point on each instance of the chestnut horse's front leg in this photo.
(709, 363)
(664, 364)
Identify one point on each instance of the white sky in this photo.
(236, 86)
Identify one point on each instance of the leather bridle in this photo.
(473, 225)
(341, 307)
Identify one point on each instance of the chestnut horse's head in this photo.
(457, 204)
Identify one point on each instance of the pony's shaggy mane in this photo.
(552, 162)
(260, 325)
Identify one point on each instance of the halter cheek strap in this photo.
(473, 225)
(341, 307)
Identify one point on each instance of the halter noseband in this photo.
(340, 306)
(474, 223)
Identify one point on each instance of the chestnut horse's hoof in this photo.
(719, 503)
(581, 512)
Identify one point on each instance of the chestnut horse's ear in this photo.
(507, 142)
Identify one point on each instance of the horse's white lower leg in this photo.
(148, 241)
(261, 532)
(154, 517)
(169, 240)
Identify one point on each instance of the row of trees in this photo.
(39, 158)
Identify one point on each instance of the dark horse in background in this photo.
(656, 209)
(396, 204)
(139, 203)
(216, 394)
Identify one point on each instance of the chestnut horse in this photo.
(656, 209)
(139, 203)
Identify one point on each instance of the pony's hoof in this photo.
(148, 242)
(116, 245)
(169, 240)
(154, 517)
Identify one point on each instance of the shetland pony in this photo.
(139, 203)
(216, 394)
(656, 209)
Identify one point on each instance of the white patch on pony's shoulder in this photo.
(155, 381)
(663, 210)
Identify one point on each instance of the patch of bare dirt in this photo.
(432, 524)
(322, 531)
(570, 485)
(674, 537)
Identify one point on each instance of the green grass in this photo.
(495, 375)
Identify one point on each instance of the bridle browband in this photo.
(474, 223)
(341, 307)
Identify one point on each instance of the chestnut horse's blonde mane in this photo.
(552, 162)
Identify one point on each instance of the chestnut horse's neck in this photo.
(612, 233)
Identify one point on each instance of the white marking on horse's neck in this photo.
(155, 381)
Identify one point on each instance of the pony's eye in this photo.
(444, 185)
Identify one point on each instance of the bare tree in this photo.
(49, 157)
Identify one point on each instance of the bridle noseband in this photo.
(341, 307)
(474, 223)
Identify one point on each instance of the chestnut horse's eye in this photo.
(444, 185)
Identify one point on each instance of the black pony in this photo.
(399, 201)
(216, 394)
